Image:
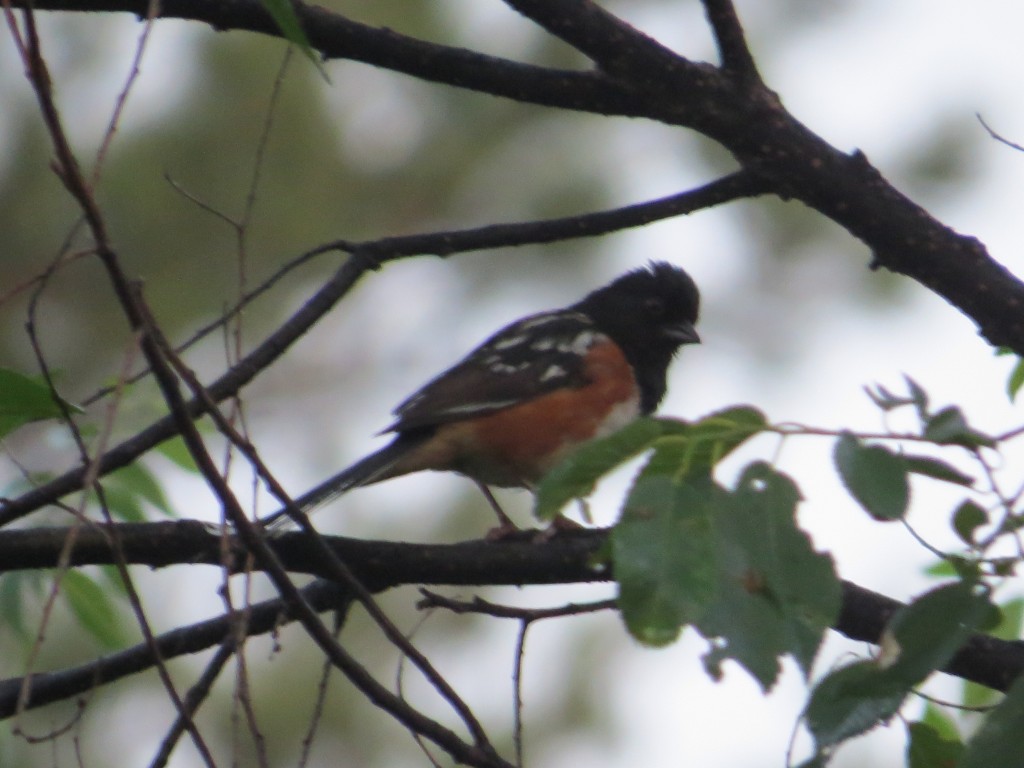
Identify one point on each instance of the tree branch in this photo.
(565, 559)
(732, 42)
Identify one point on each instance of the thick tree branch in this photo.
(640, 77)
(381, 565)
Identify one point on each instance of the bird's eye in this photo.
(654, 306)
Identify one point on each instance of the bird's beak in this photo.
(683, 333)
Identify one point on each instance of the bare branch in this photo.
(732, 42)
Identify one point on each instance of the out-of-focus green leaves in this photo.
(128, 489)
(23, 400)
(949, 427)
(967, 518)
(93, 608)
(998, 740)
(15, 588)
(1011, 622)
(928, 748)
(927, 466)
(875, 476)
(1016, 378)
(176, 450)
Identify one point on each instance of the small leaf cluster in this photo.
(729, 561)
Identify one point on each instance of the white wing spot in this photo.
(553, 372)
(582, 342)
(512, 341)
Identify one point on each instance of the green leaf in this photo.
(176, 450)
(93, 608)
(885, 399)
(136, 481)
(936, 717)
(18, 589)
(283, 14)
(924, 635)
(936, 469)
(776, 595)
(927, 748)
(680, 449)
(967, 518)
(663, 556)
(949, 427)
(1016, 380)
(875, 476)
(998, 741)
(850, 701)
(714, 437)
(23, 400)
(576, 476)
(920, 638)
(1011, 621)
(917, 396)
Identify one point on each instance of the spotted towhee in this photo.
(538, 388)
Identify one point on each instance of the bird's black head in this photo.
(649, 313)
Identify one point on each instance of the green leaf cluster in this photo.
(24, 400)
(729, 561)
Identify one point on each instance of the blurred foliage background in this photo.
(369, 154)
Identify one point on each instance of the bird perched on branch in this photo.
(530, 394)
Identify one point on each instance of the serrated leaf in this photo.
(23, 400)
(663, 556)
(927, 748)
(875, 476)
(850, 701)
(998, 741)
(949, 427)
(776, 594)
(967, 518)
(936, 469)
(924, 635)
(920, 638)
(93, 608)
(576, 476)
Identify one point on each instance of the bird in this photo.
(529, 395)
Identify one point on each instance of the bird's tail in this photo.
(376, 466)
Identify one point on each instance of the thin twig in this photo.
(996, 136)
(194, 697)
(731, 40)
(122, 98)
